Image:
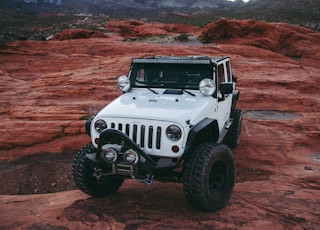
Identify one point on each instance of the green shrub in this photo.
(182, 37)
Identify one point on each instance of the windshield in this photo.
(182, 76)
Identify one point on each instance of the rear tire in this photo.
(82, 173)
(209, 177)
(233, 137)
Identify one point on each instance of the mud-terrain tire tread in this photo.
(82, 176)
(196, 173)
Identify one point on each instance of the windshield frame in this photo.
(170, 75)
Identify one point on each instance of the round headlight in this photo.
(100, 125)
(109, 155)
(173, 133)
(207, 86)
(131, 156)
(123, 83)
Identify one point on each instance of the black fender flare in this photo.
(88, 125)
(208, 127)
(235, 97)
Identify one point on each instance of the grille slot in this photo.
(127, 129)
(150, 137)
(158, 139)
(144, 136)
(134, 134)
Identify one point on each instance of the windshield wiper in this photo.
(152, 90)
(188, 92)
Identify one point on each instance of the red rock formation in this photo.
(78, 34)
(292, 41)
(47, 89)
(139, 29)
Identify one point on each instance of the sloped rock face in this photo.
(48, 89)
(78, 34)
(292, 41)
(136, 29)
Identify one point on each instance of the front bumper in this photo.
(144, 169)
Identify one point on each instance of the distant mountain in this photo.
(113, 6)
(37, 19)
(300, 12)
(305, 12)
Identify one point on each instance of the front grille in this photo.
(143, 135)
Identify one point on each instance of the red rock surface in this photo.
(78, 34)
(47, 89)
(136, 29)
(292, 41)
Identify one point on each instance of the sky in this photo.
(242, 0)
(52, 1)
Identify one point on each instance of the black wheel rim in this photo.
(218, 176)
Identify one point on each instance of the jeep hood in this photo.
(144, 104)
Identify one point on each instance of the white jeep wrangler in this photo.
(175, 121)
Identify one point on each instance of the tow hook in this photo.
(148, 180)
(97, 173)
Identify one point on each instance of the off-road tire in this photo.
(209, 176)
(84, 179)
(233, 137)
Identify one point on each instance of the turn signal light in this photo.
(175, 149)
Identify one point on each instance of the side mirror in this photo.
(226, 88)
